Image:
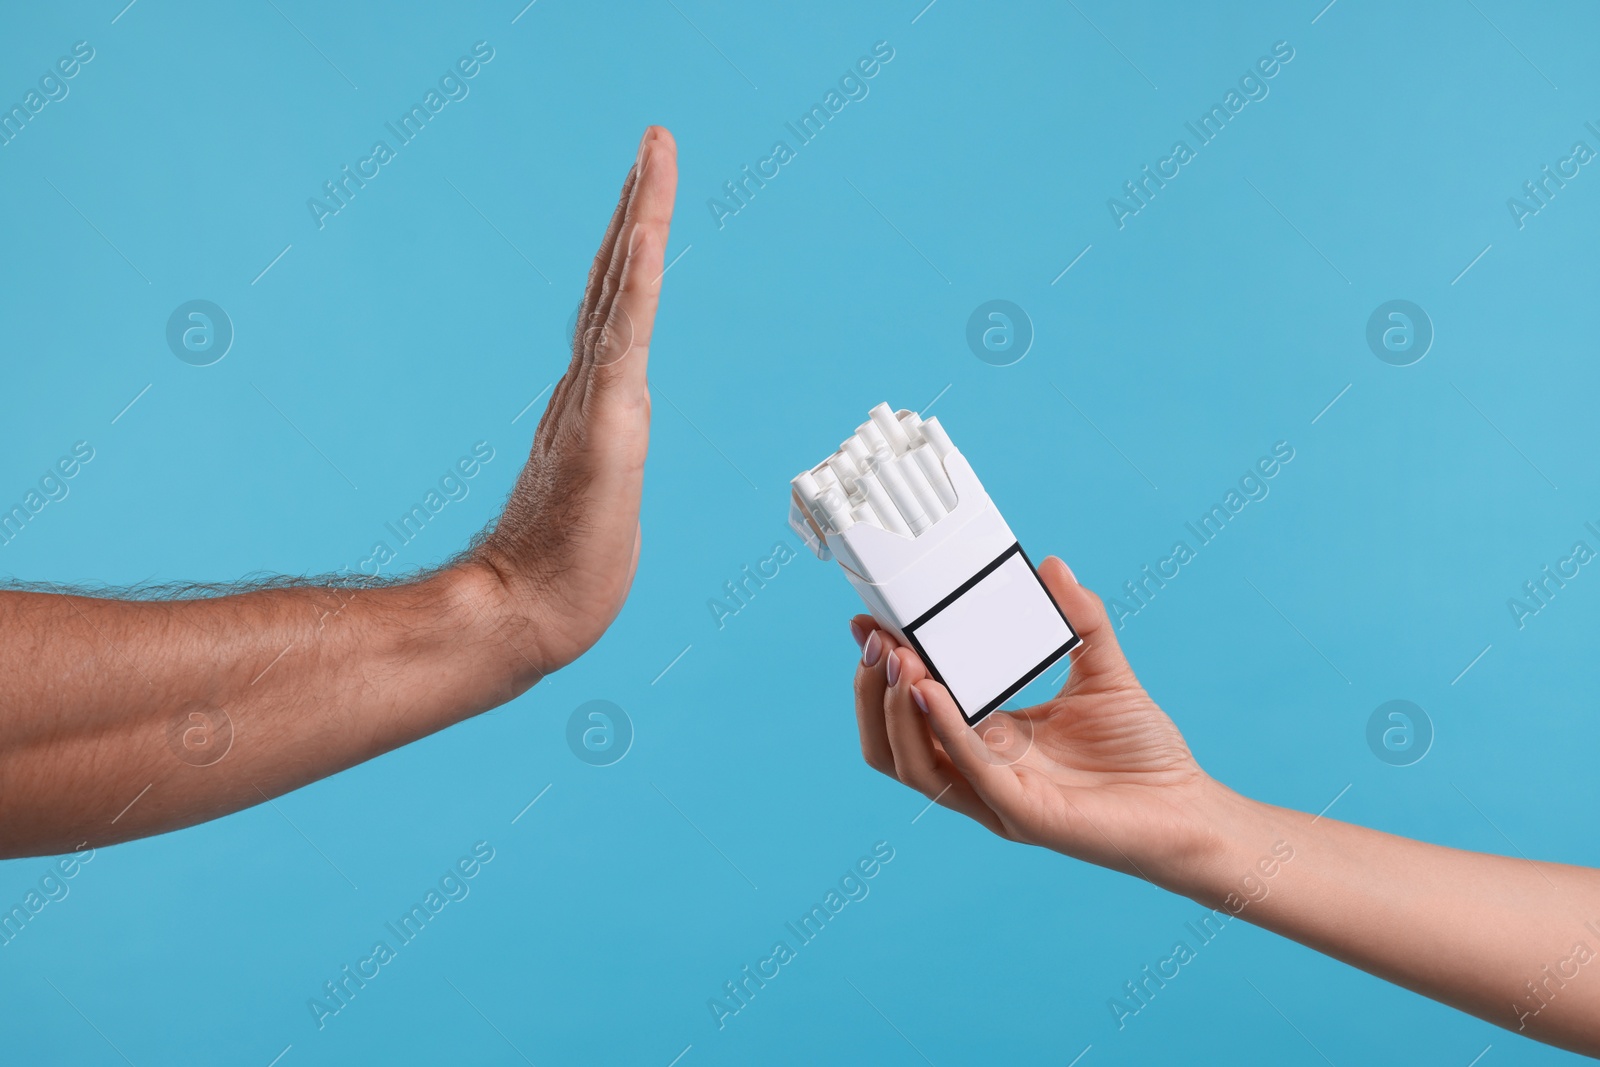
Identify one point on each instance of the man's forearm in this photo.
(1492, 935)
(123, 718)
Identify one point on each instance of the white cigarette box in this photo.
(961, 591)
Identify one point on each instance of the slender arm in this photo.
(1101, 773)
(1510, 940)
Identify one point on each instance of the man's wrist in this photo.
(498, 625)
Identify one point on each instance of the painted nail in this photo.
(918, 699)
(892, 669)
(872, 650)
(858, 632)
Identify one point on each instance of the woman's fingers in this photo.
(871, 683)
(917, 759)
(1100, 656)
(989, 772)
(912, 745)
(894, 732)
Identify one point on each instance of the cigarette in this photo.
(937, 437)
(844, 469)
(890, 473)
(933, 469)
(954, 581)
(872, 438)
(837, 510)
(912, 422)
(858, 453)
(921, 488)
(905, 500)
(808, 492)
(889, 516)
(883, 418)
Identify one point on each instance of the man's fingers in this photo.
(658, 172)
(602, 259)
(624, 318)
(1100, 655)
(620, 346)
(585, 328)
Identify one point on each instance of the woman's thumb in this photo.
(1099, 656)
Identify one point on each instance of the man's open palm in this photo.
(569, 540)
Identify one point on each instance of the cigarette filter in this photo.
(956, 585)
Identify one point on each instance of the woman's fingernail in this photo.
(918, 699)
(858, 632)
(872, 649)
(892, 669)
(1068, 569)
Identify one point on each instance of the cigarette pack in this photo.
(900, 509)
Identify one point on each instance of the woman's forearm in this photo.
(1107, 777)
(1512, 941)
(124, 718)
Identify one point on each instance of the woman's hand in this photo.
(1099, 772)
(1102, 774)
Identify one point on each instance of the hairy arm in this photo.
(126, 717)
(1101, 773)
(115, 709)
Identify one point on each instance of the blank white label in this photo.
(990, 637)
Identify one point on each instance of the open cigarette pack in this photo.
(906, 518)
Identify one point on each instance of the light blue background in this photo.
(1222, 319)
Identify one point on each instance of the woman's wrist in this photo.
(1233, 843)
